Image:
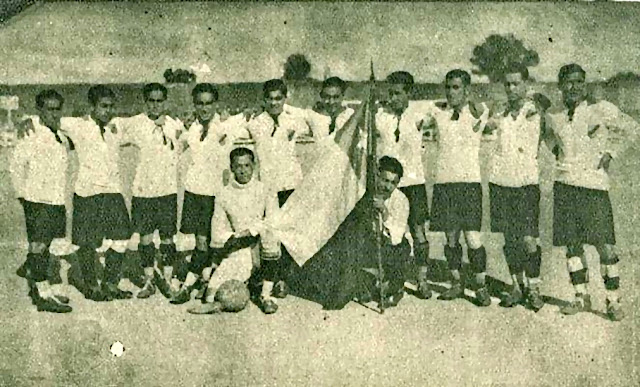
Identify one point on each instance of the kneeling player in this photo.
(239, 230)
(393, 208)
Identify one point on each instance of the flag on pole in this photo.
(324, 223)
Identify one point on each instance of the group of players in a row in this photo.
(584, 135)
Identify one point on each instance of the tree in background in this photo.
(179, 76)
(624, 78)
(297, 67)
(499, 52)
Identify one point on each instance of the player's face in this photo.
(204, 104)
(573, 87)
(274, 102)
(242, 168)
(515, 87)
(387, 182)
(398, 98)
(103, 110)
(51, 112)
(456, 92)
(332, 99)
(155, 103)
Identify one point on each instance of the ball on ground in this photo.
(233, 295)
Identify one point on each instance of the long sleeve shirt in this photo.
(39, 165)
(395, 225)
(209, 154)
(593, 130)
(241, 207)
(98, 154)
(459, 144)
(321, 125)
(401, 138)
(275, 147)
(157, 173)
(514, 162)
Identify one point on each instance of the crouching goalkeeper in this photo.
(239, 234)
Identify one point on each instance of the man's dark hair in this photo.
(151, 87)
(569, 69)
(517, 69)
(335, 82)
(390, 164)
(99, 91)
(458, 73)
(239, 152)
(403, 78)
(204, 88)
(274, 85)
(48, 94)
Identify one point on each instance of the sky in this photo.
(135, 42)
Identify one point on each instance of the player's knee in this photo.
(202, 243)
(530, 244)
(120, 246)
(453, 239)
(576, 250)
(474, 239)
(37, 247)
(608, 255)
(146, 239)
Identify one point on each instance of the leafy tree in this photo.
(624, 78)
(297, 67)
(499, 52)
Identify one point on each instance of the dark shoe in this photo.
(52, 306)
(268, 306)
(208, 308)
(513, 298)
(22, 271)
(534, 299)
(482, 297)
(147, 291)
(113, 292)
(95, 293)
(615, 311)
(424, 290)
(582, 303)
(280, 290)
(162, 285)
(456, 291)
(183, 296)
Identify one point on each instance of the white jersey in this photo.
(98, 155)
(401, 138)
(275, 148)
(39, 165)
(156, 174)
(593, 130)
(514, 162)
(209, 155)
(459, 144)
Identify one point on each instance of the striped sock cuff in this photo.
(579, 277)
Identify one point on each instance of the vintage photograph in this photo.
(208, 193)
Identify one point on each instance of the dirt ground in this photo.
(417, 343)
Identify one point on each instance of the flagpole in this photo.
(372, 180)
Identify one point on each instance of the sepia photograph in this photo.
(319, 193)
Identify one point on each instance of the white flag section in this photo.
(327, 194)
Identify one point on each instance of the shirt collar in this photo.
(235, 184)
